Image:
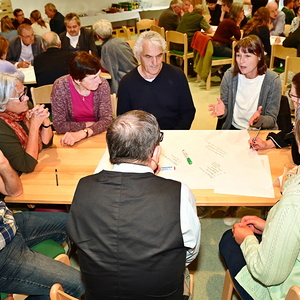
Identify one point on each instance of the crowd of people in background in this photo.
(152, 95)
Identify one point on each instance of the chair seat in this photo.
(220, 57)
(49, 248)
(279, 70)
(179, 52)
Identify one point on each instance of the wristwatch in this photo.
(86, 132)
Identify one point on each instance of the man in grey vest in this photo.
(135, 232)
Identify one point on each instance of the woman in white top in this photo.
(250, 92)
(39, 26)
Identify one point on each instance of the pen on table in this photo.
(187, 157)
(56, 177)
(168, 168)
(257, 133)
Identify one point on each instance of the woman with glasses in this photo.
(285, 137)
(23, 131)
(81, 105)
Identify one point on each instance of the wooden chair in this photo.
(127, 36)
(144, 24)
(57, 293)
(41, 95)
(220, 61)
(158, 29)
(114, 103)
(281, 52)
(293, 294)
(178, 38)
(292, 64)
(287, 28)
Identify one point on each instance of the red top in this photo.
(226, 30)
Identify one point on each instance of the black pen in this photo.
(258, 131)
(56, 177)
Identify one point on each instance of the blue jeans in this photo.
(24, 271)
(234, 259)
(223, 51)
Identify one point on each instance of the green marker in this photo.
(187, 157)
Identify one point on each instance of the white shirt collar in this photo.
(131, 168)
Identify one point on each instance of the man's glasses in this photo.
(22, 96)
(161, 136)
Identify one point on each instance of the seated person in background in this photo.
(158, 88)
(255, 250)
(250, 92)
(186, 7)
(39, 26)
(116, 55)
(170, 17)
(77, 38)
(293, 41)
(226, 5)
(24, 271)
(228, 28)
(23, 132)
(288, 11)
(19, 18)
(81, 105)
(192, 22)
(277, 19)
(256, 4)
(215, 11)
(24, 47)
(296, 6)
(295, 23)
(53, 63)
(259, 25)
(286, 137)
(6, 66)
(56, 18)
(154, 232)
(7, 28)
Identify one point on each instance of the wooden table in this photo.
(81, 160)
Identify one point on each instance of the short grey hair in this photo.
(153, 37)
(103, 29)
(174, 3)
(51, 39)
(7, 85)
(132, 137)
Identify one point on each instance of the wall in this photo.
(66, 6)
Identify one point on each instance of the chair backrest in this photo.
(281, 52)
(294, 293)
(41, 95)
(160, 30)
(114, 102)
(127, 33)
(176, 37)
(287, 28)
(144, 24)
(57, 293)
(292, 64)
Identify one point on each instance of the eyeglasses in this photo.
(22, 96)
(161, 136)
(291, 95)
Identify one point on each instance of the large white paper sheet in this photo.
(221, 160)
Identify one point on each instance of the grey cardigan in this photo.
(269, 99)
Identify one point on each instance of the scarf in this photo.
(12, 120)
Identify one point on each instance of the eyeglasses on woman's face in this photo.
(294, 96)
(22, 97)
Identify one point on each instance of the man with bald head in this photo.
(53, 63)
(277, 19)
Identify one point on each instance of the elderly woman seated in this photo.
(23, 131)
(81, 105)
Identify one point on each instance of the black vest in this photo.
(127, 230)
